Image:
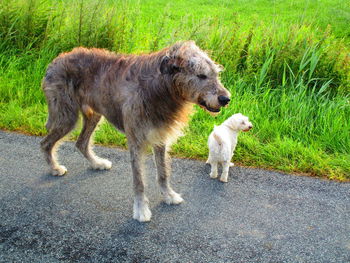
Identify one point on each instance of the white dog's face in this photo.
(240, 122)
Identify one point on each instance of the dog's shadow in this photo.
(81, 172)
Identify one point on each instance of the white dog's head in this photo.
(239, 122)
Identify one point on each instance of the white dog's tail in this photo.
(217, 137)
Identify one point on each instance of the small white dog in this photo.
(222, 143)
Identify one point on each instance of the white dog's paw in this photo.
(101, 164)
(232, 164)
(223, 179)
(59, 170)
(213, 175)
(142, 213)
(172, 198)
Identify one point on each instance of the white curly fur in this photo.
(222, 143)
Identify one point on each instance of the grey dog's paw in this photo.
(59, 170)
(173, 198)
(101, 164)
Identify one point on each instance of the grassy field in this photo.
(287, 65)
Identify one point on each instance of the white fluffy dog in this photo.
(222, 143)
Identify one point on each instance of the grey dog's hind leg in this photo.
(62, 119)
(162, 161)
(84, 142)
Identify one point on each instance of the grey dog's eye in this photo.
(202, 76)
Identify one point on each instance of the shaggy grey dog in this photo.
(147, 97)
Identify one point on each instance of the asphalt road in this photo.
(86, 216)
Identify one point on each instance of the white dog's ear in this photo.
(232, 121)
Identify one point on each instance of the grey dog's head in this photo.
(195, 76)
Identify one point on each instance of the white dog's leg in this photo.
(162, 161)
(232, 164)
(214, 170)
(224, 175)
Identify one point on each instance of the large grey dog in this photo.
(148, 97)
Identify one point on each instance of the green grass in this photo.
(287, 65)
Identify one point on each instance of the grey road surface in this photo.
(86, 216)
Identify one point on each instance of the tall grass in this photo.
(291, 79)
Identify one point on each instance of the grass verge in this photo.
(288, 72)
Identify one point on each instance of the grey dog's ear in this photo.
(167, 66)
(164, 64)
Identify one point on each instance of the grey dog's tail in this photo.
(63, 109)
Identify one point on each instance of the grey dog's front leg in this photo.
(141, 209)
(162, 161)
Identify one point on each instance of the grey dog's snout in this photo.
(223, 100)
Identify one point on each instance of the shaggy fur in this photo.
(222, 143)
(147, 97)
